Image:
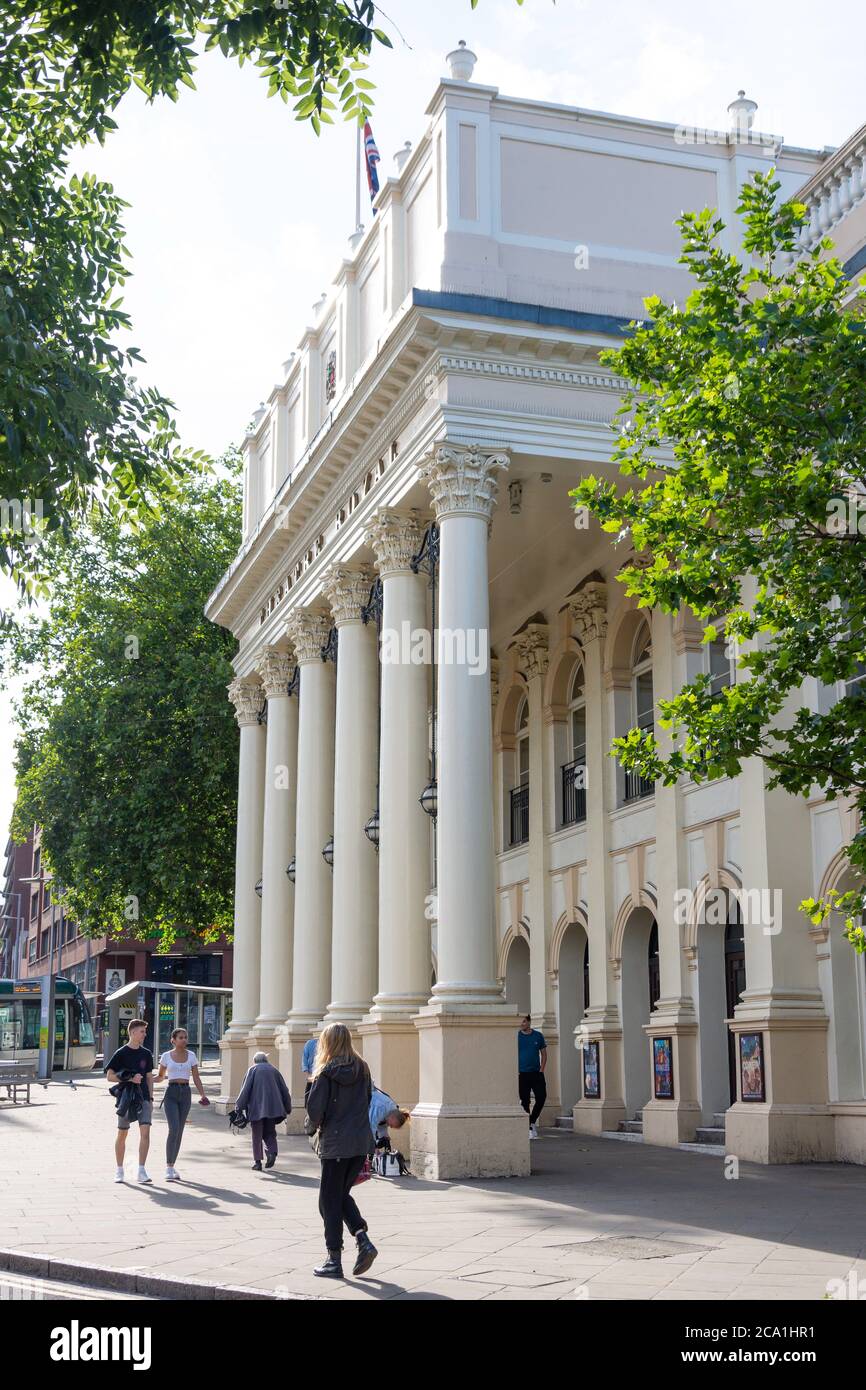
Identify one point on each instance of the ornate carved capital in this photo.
(275, 669)
(462, 479)
(395, 537)
(347, 590)
(308, 630)
(246, 696)
(533, 648)
(588, 608)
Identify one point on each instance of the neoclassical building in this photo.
(435, 653)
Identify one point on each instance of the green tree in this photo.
(127, 755)
(76, 429)
(745, 424)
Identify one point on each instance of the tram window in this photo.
(32, 1011)
(82, 1028)
(10, 1027)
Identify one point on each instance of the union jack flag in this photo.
(371, 159)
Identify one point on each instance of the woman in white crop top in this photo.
(177, 1067)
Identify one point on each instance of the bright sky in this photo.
(239, 216)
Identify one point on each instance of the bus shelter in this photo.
(204, 1012)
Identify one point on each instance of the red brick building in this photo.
(37, 936)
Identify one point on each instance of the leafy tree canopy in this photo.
(127, 755)
(76, 429)
(745, 425)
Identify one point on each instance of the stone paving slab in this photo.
(596, 1220)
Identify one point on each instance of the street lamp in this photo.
(290, 870)
(328, 853)
(371, 829)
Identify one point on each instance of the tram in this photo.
(20, 1012)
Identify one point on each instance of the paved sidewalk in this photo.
(598, 1219)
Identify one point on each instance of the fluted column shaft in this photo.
(354, 945)
(246, 696)
(280, 799)
(308, 632)
(404, 834)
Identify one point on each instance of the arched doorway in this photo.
(640, 992)
(573, 998)
(517, 990)
(721, 962)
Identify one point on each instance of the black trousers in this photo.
(532, 1083)
(336, 1203)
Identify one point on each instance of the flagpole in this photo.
(357, 178)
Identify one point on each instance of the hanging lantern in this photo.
(290, 870)
(328, 853)
(429, 798)
(371, 829)
(259, 887)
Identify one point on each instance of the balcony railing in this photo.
(574, 790)
(520, 815)
(637, 786)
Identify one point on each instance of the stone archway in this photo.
(568, 956)
(517, 975)
(635, 1005)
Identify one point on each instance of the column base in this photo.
(263, 1037)
(780, 1133)
(597, 1114)
(235, 1060)
(390, 1049)
(290, 1042)
(468, 1122)
(673, 1121)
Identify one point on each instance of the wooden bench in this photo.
(15, 1076)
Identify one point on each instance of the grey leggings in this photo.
(176, 1105)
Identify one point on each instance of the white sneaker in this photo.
(142, 1175)
(118, 1176)
(533, 1132)
(172, 1175)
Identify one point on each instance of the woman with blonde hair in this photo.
(338, 1121)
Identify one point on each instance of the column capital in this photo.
(532, 646)
(275, 668)
(246, 696)
(462, 479)
(347, 589)
(308, 630)
(396, 537)
(588, 608)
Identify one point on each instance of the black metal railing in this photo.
(520, 815)
(637, 786)
(574, 790)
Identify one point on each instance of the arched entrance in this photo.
(517, 989)
(721, 960)
(640, 992)
(573, 1001)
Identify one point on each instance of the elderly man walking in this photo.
(265, 1098)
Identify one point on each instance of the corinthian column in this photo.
(389, 1038)
(281, 757)
(246, 696)
(354, 945)
(311, 974)
(467, 1122)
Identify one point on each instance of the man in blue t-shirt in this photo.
(308, 1061)
(531, 1061)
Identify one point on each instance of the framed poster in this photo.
(752, 1066)
(663, 1068)
(114, 979)
(591, 1074)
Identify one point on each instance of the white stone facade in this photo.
(452, 377)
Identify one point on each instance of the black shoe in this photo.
(257, 1167)
(332, 1268)
(270, 1160)
(367, 1253)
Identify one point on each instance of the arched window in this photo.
(653, 971)
(574, 771)
(520, 794)
(642, 707)
(523, 743)
(717, 661)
